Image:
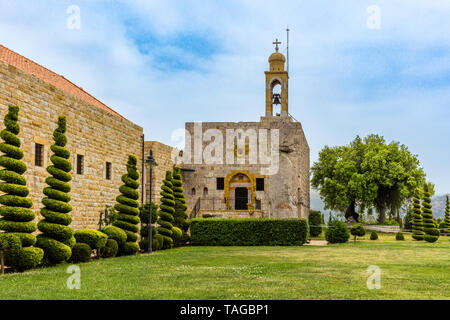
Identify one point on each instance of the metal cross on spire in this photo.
(276, 43)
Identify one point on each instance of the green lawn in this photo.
(408, 271)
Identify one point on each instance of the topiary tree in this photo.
(429, 226)
(110, 249)
(57, 237)
(446, 223)
(399, 236)
(166, 211)
(128, 208)
(17, 216)
(81, 252)
(144, 216)
(315, 223)
(337, 232)
(357, 230)
(417, 222)
(180, 216)
(373, 235)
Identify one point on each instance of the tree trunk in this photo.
(382, 210)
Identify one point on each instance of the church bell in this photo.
(276, 98)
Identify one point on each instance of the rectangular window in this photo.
(259, 184)
(80, 164)
(39, 155)
(108, 171)
(220, 183)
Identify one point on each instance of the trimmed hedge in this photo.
(315, 223)
(81, 252)
(115, 233)
(93, 238)
(17, 217)
(110, 249)
(128, 208)
(373, 235)
(399, 236)
(337, 232)
(57, 237)
(249, 232)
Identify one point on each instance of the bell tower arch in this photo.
(276, 76)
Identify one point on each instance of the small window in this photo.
(258, 204)
(39, 155)
(259, 184)
(80, 164)
(205, 191)
(193, 191)
(108, 170)
(220, 183)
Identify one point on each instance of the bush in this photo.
(17, 217)
(128, 208)
(94, 238)
(337, 232)
(445, 225)
(57, 237)
(399, 236)
(429, 226)
(249, 232)
(81, 252)
(115, 233)
(373, 235)
(166, 211)
(315, 223)
(110, 249)
(157, 243)
(357, 230)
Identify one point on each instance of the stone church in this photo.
(260, 170)
(254, 169)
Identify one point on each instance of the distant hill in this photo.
(438, 204)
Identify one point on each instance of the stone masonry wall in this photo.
(163, 156)
(99, 135)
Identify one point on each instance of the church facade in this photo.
(250, 169)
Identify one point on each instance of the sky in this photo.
(353, 71)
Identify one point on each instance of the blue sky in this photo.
(162, 63)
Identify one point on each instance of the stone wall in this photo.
(163, 156)
(97, 134)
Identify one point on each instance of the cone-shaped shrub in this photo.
(57, 237)
(429, 226)
(128, 208)
(144, 216)
(166, 211)
(180, 216)
(446, 225)
(17, 217)
(417, 222)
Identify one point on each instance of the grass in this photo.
(408, 271)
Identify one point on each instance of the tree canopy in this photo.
(368, 173)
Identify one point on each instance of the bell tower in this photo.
(274, 77)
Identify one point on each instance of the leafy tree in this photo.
(366, 173)
(166, 211)
(17, 217)
(57, 237)
(429, 226)
(357, 230)
(180, 216)
(417, 220)
(128, 208)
